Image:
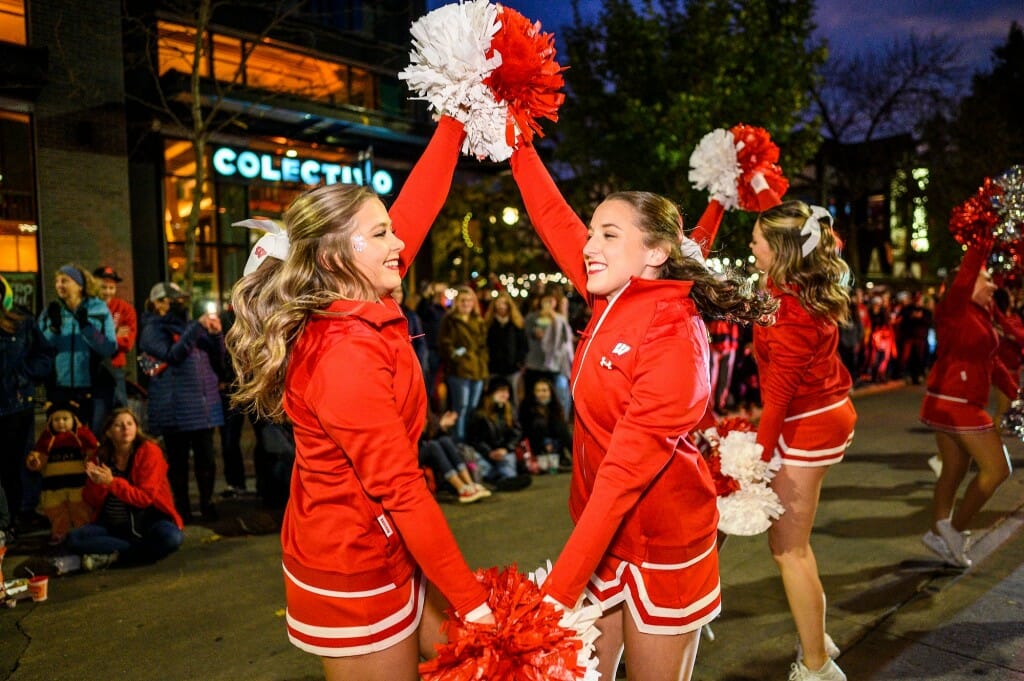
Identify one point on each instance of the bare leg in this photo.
(654, 657)
(608, 646)
(955, 462)
(430, 635)
(400, 662)
(986, 448)
(790, 541)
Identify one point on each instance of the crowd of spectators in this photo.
(496, 368)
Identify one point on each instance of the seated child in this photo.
(60, 455)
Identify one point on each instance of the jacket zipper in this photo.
(593, 335)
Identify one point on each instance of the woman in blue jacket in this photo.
(184, 402)
(78, 324)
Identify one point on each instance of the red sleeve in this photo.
(556, 222)
(127, 318)
(962, 288)
(424, 192)
(148, 475)
(668, 399)
(707, 227)
(788, 343)
(361, 416)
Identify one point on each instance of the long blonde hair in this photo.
(273, 304)
(514, 315)
(723, 296)
(816, 279)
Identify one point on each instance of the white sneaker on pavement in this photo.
(831, 649)
(829, 672)
(937, 546)
(956, 541)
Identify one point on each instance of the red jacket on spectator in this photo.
(124, 316)
(145, 486)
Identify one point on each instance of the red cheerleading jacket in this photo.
(1011, 340)
(797, 364)
(966, 364)
(640, 491)
(145, 486)
(360, 516)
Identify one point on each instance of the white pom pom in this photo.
(485, 129)
(749, 510)
(449, 56)
(741, 457)
(714, 166)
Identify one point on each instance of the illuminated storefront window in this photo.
(269, 67)
(12, 21)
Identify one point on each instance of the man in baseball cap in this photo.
(126, 328)
(165, 289)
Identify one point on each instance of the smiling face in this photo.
(67, 288)
(108, 289)
(615, 250)
(375, 247)
(465, 303)
(763, 254)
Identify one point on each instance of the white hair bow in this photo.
(812, 229)
(691, 249)
(273, 243)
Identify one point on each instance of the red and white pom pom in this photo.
(977, 221)
(531, 638)
(741, 471)
(739, 168)
(451, 57)
(489, 67)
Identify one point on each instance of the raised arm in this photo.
(556, 222)
(424, 192)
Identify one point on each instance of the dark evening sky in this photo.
(851, 27)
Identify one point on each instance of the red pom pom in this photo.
(761, 184)
(529, 78)
(974, 221)
(526, 643)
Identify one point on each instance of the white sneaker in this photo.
(97, 561)
(935, 463)
(937, 546)
(831, 649)
(484, 492)
(829, 672)
(956, 541)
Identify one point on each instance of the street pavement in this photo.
(215, 610)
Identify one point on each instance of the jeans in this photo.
(463, 396)
(161, 539)
(107, 399)
(200, 442)
(492, 470)
(231, 445)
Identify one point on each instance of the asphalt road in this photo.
(215, 609)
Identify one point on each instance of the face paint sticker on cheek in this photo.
(358, 243)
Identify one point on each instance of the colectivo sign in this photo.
(270, 168)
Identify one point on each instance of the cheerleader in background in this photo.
(807, 418)
(966, 365)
